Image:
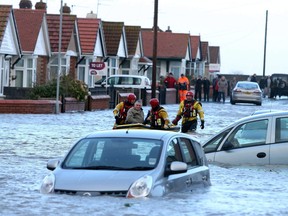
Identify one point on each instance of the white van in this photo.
(127, 81)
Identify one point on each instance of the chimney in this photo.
(40, 5)
(25, 4)
(66, 9)
(91, 15)
(168, 30)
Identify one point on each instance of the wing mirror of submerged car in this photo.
(227, 146)
(52, 164)
(176, 167)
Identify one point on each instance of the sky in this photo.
(237, 27)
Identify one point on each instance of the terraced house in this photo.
(29, 48)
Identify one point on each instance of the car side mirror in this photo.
(176, 167)
(227, 146)
(52, 164)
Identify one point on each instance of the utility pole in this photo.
(59, 59)
(264, 62)
(155, 29)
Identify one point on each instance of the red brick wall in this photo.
(171, 96)
(71, 104)
(98, 102)
(41, 71)
(28, 106)
(73, 69)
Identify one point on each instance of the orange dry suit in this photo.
(183, 84)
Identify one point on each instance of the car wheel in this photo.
(232, 102)
(258, 104)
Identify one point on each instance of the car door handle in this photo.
(261, 155)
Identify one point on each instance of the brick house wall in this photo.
(41, 70)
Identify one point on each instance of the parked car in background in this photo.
(127, 81)
(99, 83)
(279, 85)
(260, 139)
(129, 163)
(246, 92)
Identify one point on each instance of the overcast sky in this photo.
(237, 27)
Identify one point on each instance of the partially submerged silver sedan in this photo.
(129, 163)
(260, 139)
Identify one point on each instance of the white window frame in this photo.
(27, 81)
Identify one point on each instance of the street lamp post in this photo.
(155, 29)
(59, 59)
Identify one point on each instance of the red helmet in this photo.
(190, 93)
(154, 102)
(131, 97)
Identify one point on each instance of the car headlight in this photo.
(48, 183)
(140, 188)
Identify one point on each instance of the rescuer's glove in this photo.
(175, 121)
(117, 119)
(166, 126)
(202, 124)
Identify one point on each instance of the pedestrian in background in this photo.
(263, 86)
(215, 88)
(183, 87)
(253, 78)
(269, 83)
(198, 89)
(223, 85)
(206, 89)
(170, 81)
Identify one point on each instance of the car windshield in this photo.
(114, 154)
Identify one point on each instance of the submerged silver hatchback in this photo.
(129, 163)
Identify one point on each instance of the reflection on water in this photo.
(28, 141)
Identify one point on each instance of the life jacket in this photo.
(188, 109)
(156, 120)
(124, 110)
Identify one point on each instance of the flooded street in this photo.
(27, 142)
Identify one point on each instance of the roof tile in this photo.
(5, 10)
(169, 45)
(29, 24)
(68, 22)
(112, 34)
(88, 29)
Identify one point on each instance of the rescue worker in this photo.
(157, 116)
(120, 111)
(183, 86)
(188, 110)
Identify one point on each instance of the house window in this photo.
(126, 67)
(112, 66)
(176, 68)
(25, 72)
(54, 68)
(83, 72)
(19, 80)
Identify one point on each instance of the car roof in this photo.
(138, 133)
(127, 75)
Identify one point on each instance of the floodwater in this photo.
(27, 142)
